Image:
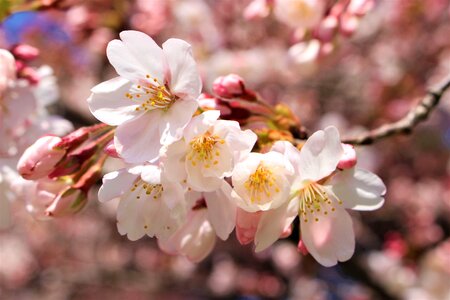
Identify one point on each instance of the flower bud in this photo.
(68, 201)
(246, 225)
(229, 86)
(25, 52)
(110, 149)
(39, 159)
(257, 9)
(302, 248)
(348, 159)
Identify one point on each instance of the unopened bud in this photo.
(39, 159)
(69, 201)
(25, 52)
(326, 29)
(348, 159)
(302, 248)
(229, 86)
(110, 149)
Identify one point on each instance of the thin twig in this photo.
(416, 115)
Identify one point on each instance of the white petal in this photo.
(109, 104)
(198, 181)
(200, 124)
(359, 189)
(289, 151)
(331, 239)
(115, 184)
(273, 223)
(137, 56)
(184, 77)
(222, 210)
(151, 174)
(320, 154)
(137, 140)
(174, 120)
(173, 161)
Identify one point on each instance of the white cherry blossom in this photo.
(148, 205)
(319, 196)
(262, 181)
(208, 152)
(153, 99)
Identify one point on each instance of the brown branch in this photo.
(405, 125)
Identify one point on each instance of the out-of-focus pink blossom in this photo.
(348, 159)
(257, 9)
(25, 52)
(229, 86)
(7, 70)
(327, 28)
(39, 159)
(300, 13)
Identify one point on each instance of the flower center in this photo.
(151, 94)
(261, 184)
(314, 201)
(144, 189)
(204, 149)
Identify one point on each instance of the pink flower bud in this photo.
(25, 52)
(110, 149)
(39, 159)
(302, 248)
(360, 7)
(326, 29)
(229, 86)
(246, 225)
(348, 159)
(68, 201)
(257, 9)
(349, 24)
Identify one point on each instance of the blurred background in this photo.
(370, 76)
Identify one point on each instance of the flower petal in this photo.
(331, 239)
(109, 104)
(184, 77)
(222, 210)
(174, 120)
(115, 184)
(359, 189)
(246, 225)
(200, 124)
(173, 161)
(273, 223)
(137, 56)
(320, 154)
(137, 140)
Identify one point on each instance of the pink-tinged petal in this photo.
(359, 189)
(174, 121)
(184, 77)
(115, 184)
(109, 104)
(331, 239)
(195, 239)
(137, 140)
(320, 154)
(174, 197)
(200, 124)
(18, 105)
(222, 210)
(173, 161)
(273, 223)
(145, 50)
(246, 225)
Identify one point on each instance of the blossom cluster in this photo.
(25, 94)
(191, 176)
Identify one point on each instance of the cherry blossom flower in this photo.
(208, 151)
(320, 195)
(212, 214)
(149, 205)
(262, 181)
(153, 99)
